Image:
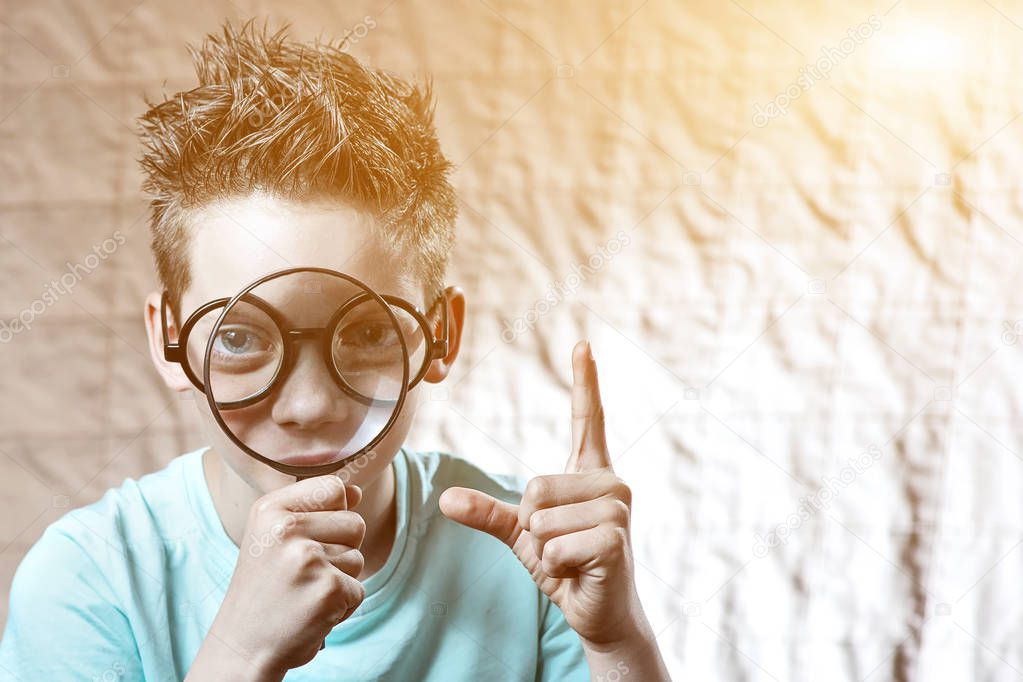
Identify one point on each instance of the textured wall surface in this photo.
(802, 293)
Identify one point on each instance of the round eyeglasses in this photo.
(240, 352)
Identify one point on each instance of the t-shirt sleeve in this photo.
(63, 622)
(561, 652)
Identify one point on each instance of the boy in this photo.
(219, 567)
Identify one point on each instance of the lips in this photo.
(311, 458)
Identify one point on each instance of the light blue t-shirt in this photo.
(127, 587)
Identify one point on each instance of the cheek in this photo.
(248, 424)
(402, 425)
(365, 469)
(256, 475)
(240, 422)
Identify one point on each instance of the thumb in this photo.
(481, 511)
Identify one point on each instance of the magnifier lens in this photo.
(306, 368)
(366, 349)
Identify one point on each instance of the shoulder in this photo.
(95, 542)
(58, 561)
(149, 507)
(67, 581)
(436, 471)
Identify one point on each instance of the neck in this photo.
(233, 497)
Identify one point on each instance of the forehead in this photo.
(235, 241)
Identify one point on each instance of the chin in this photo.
(362, 471)
(257, 475)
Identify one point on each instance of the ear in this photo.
(171, 372)
(454, 299)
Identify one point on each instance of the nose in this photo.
(309, 398)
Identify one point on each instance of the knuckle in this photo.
(306, 554)
(285, 526)
(335, 485)
(622, 491)
(539, 524)
(264, 508)
(358, 526)
(345, 590)
(538, 489)
(620, 513)
(615, 540)
(337, 586)
(553, 553)
(358, 560)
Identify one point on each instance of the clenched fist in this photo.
(296, 578)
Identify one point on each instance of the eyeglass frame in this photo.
(437, 348)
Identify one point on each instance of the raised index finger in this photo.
(589, 446)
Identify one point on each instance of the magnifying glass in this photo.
(333, 328)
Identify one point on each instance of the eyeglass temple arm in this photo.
(171, 351)
(440, 346)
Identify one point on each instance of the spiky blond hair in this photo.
(299, 120)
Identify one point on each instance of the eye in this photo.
(239, 341)
(367, 334)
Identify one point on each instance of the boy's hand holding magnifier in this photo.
(300, 562)
(571, 532)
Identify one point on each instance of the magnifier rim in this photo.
(295, 469)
